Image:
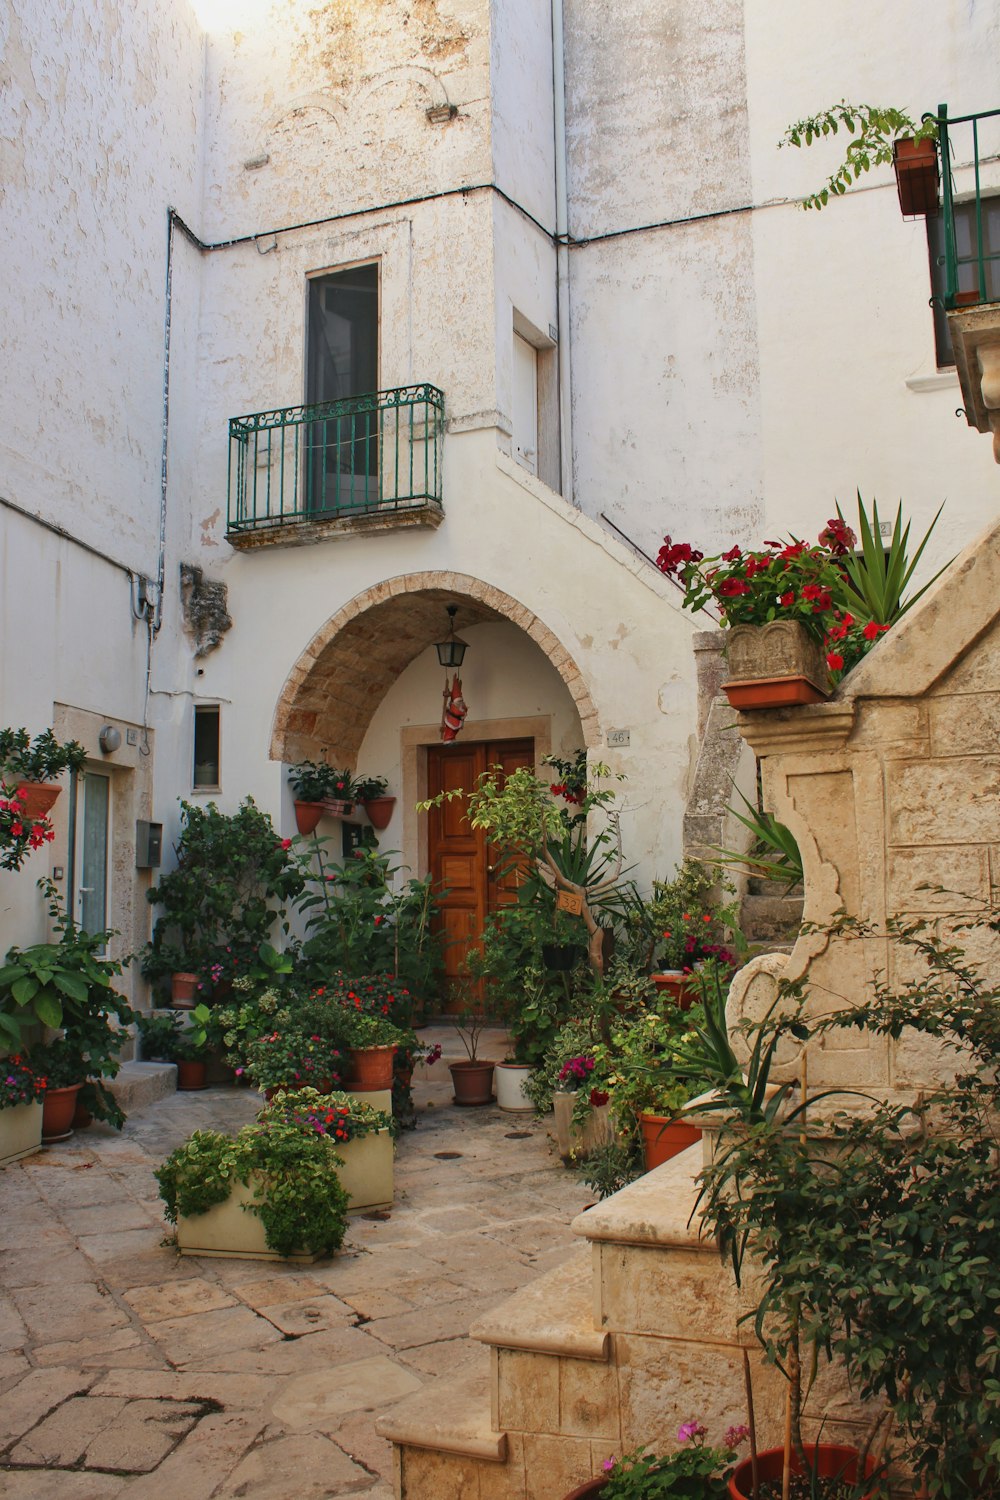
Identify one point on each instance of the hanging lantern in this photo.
(451, 652)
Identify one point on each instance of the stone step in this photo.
(447, 1416)
(140, 1084)
(767, 918)
(553, 1315)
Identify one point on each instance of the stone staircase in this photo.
(636, 1333)
(770, 916)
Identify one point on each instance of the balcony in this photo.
(370, 463)
(970, 191)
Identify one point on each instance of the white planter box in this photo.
(228, 1230)
(20, 1132)
(508, 1081)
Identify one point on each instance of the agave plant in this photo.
(773, 853)
(874, 580)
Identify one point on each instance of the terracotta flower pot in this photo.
(678, 985)
(370, 1068)
(58, 1108)
(589, 1488)
(191, 1076)
(472, 1082)
(183, 991)
(664, 1137)
(829, 1460)
(307, 815)
(916, 166)
(37, 797)
(379, 810)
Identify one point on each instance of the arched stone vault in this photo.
(341, 677)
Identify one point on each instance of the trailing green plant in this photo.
(873, 130)
(168, 1038)
(635, 1068)
(252, 1011)
(233, 879)
(366, 1031)
(288, 1157)
(40, 759)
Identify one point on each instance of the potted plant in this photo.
(693, 1471)
(879, 136)
(292, 1058)
(371, 791)
(166, 1039)
(230, 887)
(372, 1043)
(59, 1062)
(637, 1070)
(681, 925)
(472, 1077)
(20, 833)
(31, 766)
(22, 1090)
(320, 789)
(799, 616)
(275, 1190)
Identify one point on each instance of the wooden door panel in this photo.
(458, 855)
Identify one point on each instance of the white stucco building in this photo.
(559, 234)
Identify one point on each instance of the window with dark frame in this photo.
(968, 270)
(206, 775)
(342, 363)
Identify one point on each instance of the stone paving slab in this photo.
(128, 1371)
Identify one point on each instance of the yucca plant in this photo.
(773, 853)
(874, 580)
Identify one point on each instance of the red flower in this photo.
(838, 536)
(794, 549)
(729, 588)
(286, 843)
(599, 1097)
(733, 555)
(672, 556)
(873, 630)
(835, 661)
(787, 599)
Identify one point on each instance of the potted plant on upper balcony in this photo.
(31, 766)
(799, 616)
(878, 136)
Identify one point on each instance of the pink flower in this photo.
(734, 1436)
(608, 1464)
(286, 843)
(688, 1431)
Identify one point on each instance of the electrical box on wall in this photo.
(148, 845)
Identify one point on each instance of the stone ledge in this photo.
(447, 1417)
(654, 1210)
(553, 1315)
(140, 1084)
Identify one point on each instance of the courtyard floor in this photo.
(128, 1370)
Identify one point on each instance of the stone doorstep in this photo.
(653, 1210)
(551, 1315)
(140, 1084)
(447, 1417)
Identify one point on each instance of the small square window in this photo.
(206, 747)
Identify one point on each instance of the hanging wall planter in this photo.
(37, 797)
(774, 666)
(379, 810)
(917, 179)
(307, 816)
(337, 807)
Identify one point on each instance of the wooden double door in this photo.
(462, 863)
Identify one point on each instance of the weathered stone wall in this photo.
(893, 791)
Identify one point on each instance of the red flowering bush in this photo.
(19, 1083)
(19, 834)
(790, 580)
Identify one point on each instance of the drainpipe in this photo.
(562, 252)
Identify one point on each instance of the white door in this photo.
(525, 414)
(93, 850)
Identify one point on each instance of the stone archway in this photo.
(331, 693)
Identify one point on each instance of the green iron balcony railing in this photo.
(970, 190)
(377, 455)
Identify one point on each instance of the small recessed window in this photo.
(206, 747)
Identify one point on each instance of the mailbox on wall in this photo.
(148, 845)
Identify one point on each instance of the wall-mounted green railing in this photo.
(970, 189)
(367, 456)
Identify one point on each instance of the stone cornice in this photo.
(789, 731)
